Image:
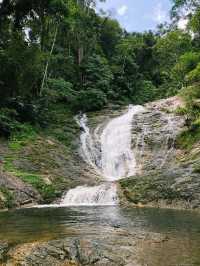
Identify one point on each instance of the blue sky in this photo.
(138, 15)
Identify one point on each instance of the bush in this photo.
(60, 90)
(186, 63)
(194, 75)
(47, 191)
(8, 122)
(146, 91)
(90, 100)
(25, 134)
(8, 203)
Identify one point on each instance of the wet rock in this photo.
(162, 179)
(4, 248)
(117, 248)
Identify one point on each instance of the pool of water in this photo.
(182, 228)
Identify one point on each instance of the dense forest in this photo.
(54, 51)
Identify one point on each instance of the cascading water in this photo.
(113, 160)
(105, 194)
(118, 160)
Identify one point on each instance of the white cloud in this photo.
(182, 24)
(121, 11)
(159, 14)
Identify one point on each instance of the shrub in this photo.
(60, 90)
(8, 122)
(90, 100)
(146, 91)
(194, 75)
(47, 191)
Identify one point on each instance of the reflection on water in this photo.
(182, 228)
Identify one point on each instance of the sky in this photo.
(138, 15)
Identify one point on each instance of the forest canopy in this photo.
(64, 51)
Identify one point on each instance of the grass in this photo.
(20, 139)
(35, 152)
(17, 142)
(191, 96)
(47, 191)
(62, 126)
(148, 189)
(188, 138)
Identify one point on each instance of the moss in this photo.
(148, 189)
(26, 135)
(47, 191)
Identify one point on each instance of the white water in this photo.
(103, 195)
(118, 160)
(88, 149)
(110, 155)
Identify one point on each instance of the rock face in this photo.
(166, 176)
(15, 193)
(154, 135)
(118, 248)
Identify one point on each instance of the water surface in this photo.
(181, 227)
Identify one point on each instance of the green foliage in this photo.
(195, 21)
(63, 52)
(47, 191)
(188, 138)
(110, 36)
(191, 95)
(170, 47)
(148, 189)
(97, 73)
(8, 203)
(25, 135)
(60, 90)
(194, 75)
(185, 64)
(146, 92)
(62, 125)
(90, 100)
(8, 122)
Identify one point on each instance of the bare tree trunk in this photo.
(80, 55)
(47, 64)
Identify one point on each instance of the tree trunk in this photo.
(47, 64)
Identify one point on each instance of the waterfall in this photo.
(118, 160)
(103, 195)
(110, 155)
